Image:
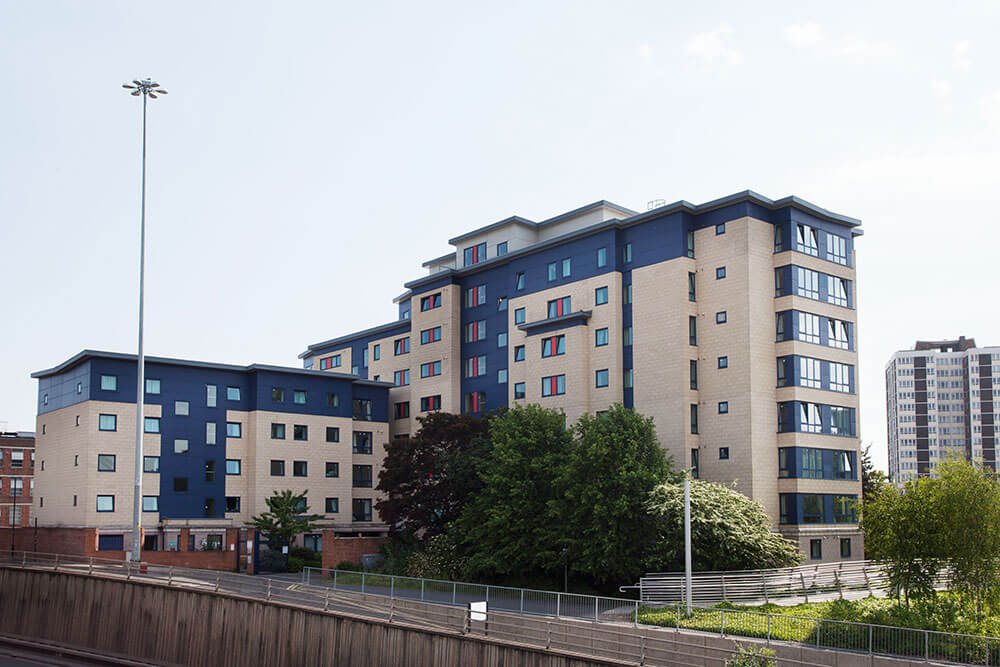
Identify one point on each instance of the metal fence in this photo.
(827, 581)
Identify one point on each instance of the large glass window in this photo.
(600, 337)
(840, 421)
(810, 418)
(601, 378)
(475, 254)
(362, 442)
(234, 430)
(810, 372)
(430, 335)
(812, 508)
(105, 462)
(601, 296)
(152, 386)
(843, 509)
(430, 302)
(430, 369)
(362, 409)
(836, 290)
(361, 509)
(836, 249)
(151, 424)
(559, 307)
(105, 503)
(401, 378)
(812, 463)
(837, 332)
(475, 366)
(107, 422)
(109, 383)
(475, 296)
(842, 468)
(807, 240)
(401, 346)
(553, 346)
(840, 377)
(808, 328)
(554, 385)
(475, 331)
(234, 466)
(362, 477)
(807, 283)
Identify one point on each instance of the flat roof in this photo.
(86, 355)
(341, 340)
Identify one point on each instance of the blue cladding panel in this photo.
(404, 310)
(61, 389)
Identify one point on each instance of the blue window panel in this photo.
(110, 542)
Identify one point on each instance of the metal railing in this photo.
(437, 604)
(827, 581)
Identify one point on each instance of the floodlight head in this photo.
(153, 95)
(128, 85)
(135, 93)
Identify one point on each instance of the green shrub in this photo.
(295, 564)
(754, 656)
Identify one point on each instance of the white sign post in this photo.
(477, 611)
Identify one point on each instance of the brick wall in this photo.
(338, 549)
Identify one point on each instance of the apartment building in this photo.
(17, 481)
(731, 323)
(218, 440)
(939, 403)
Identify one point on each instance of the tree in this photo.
(904, 529)
(505, 528)
(287, 516)
(729, 531)
(428, 478)
(969, 498)
(872, 480)
(613, 463)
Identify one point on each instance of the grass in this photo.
(905, 636)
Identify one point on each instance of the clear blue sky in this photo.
(311, 155)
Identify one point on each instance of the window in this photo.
(475, 331)
(812, 508)
(475, 296)
(232, 393)
(627, 336)
(327, 363)
(181, 446)
(401, 378)
(559, 307)
(693, 373)
(475, 401)
(77, 423)
(362, 442)
(105, 503)
(843, 509)
(694, 418)
(807, 240)
(566, 268)
(277, 394)
(209, 471)
(475, 366)
(626, 253)
(600, 337)
(518, 390)
(779, 239)
(809, 373)
(430, 302)
(806, 283)
(300, 432)
(79, 387)
(501, 249)
(300, 469)
(812, 463)
(720, 229)
(209, 433)
(690, 244)
(602, 257)
(431, 335)
(519, 316)
(234, 467)
(502, 376)
(501, 303)
(109, 383)
(836, 249)
(810, 419)
(362, 409)
(475, 254)
(210, 395)
(502, 339)
(401, 346)
(362, 477)
(76, 460)
(694, 463)
(332, 506)
(816, 549)
(277, 468)
(518, 353)
(150, 503)
(107, 422)
(333, 434)
(519, 281)
(17, 485)
(333, 400)
(601, 378)
(430, 369)
(836, 291)
(361, 509)
(692, 330)
(554, 385)
(553, 271)
(720, 272)
(299, 397)
(845, 547)
(691, 287)
(376, 352)
(842, 468)
(332, 469)
(152, 386)
(780, 288)
(429, 403)
(277, 431)
(720, 317)
(211, 544)
(16, 458)
(840, 377)
(553, 346)
(808, 328)
(151, 424)
(840, 421)
(232, 503)
(723, 407)
(151, 464)
(401, 410)
(837, 332)
(626, 294)
(723, 453)
(627, 378)
(105, 463)
(601, 296)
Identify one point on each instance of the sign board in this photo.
(477, 611)
(284, 550)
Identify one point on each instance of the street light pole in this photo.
(147, 88)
